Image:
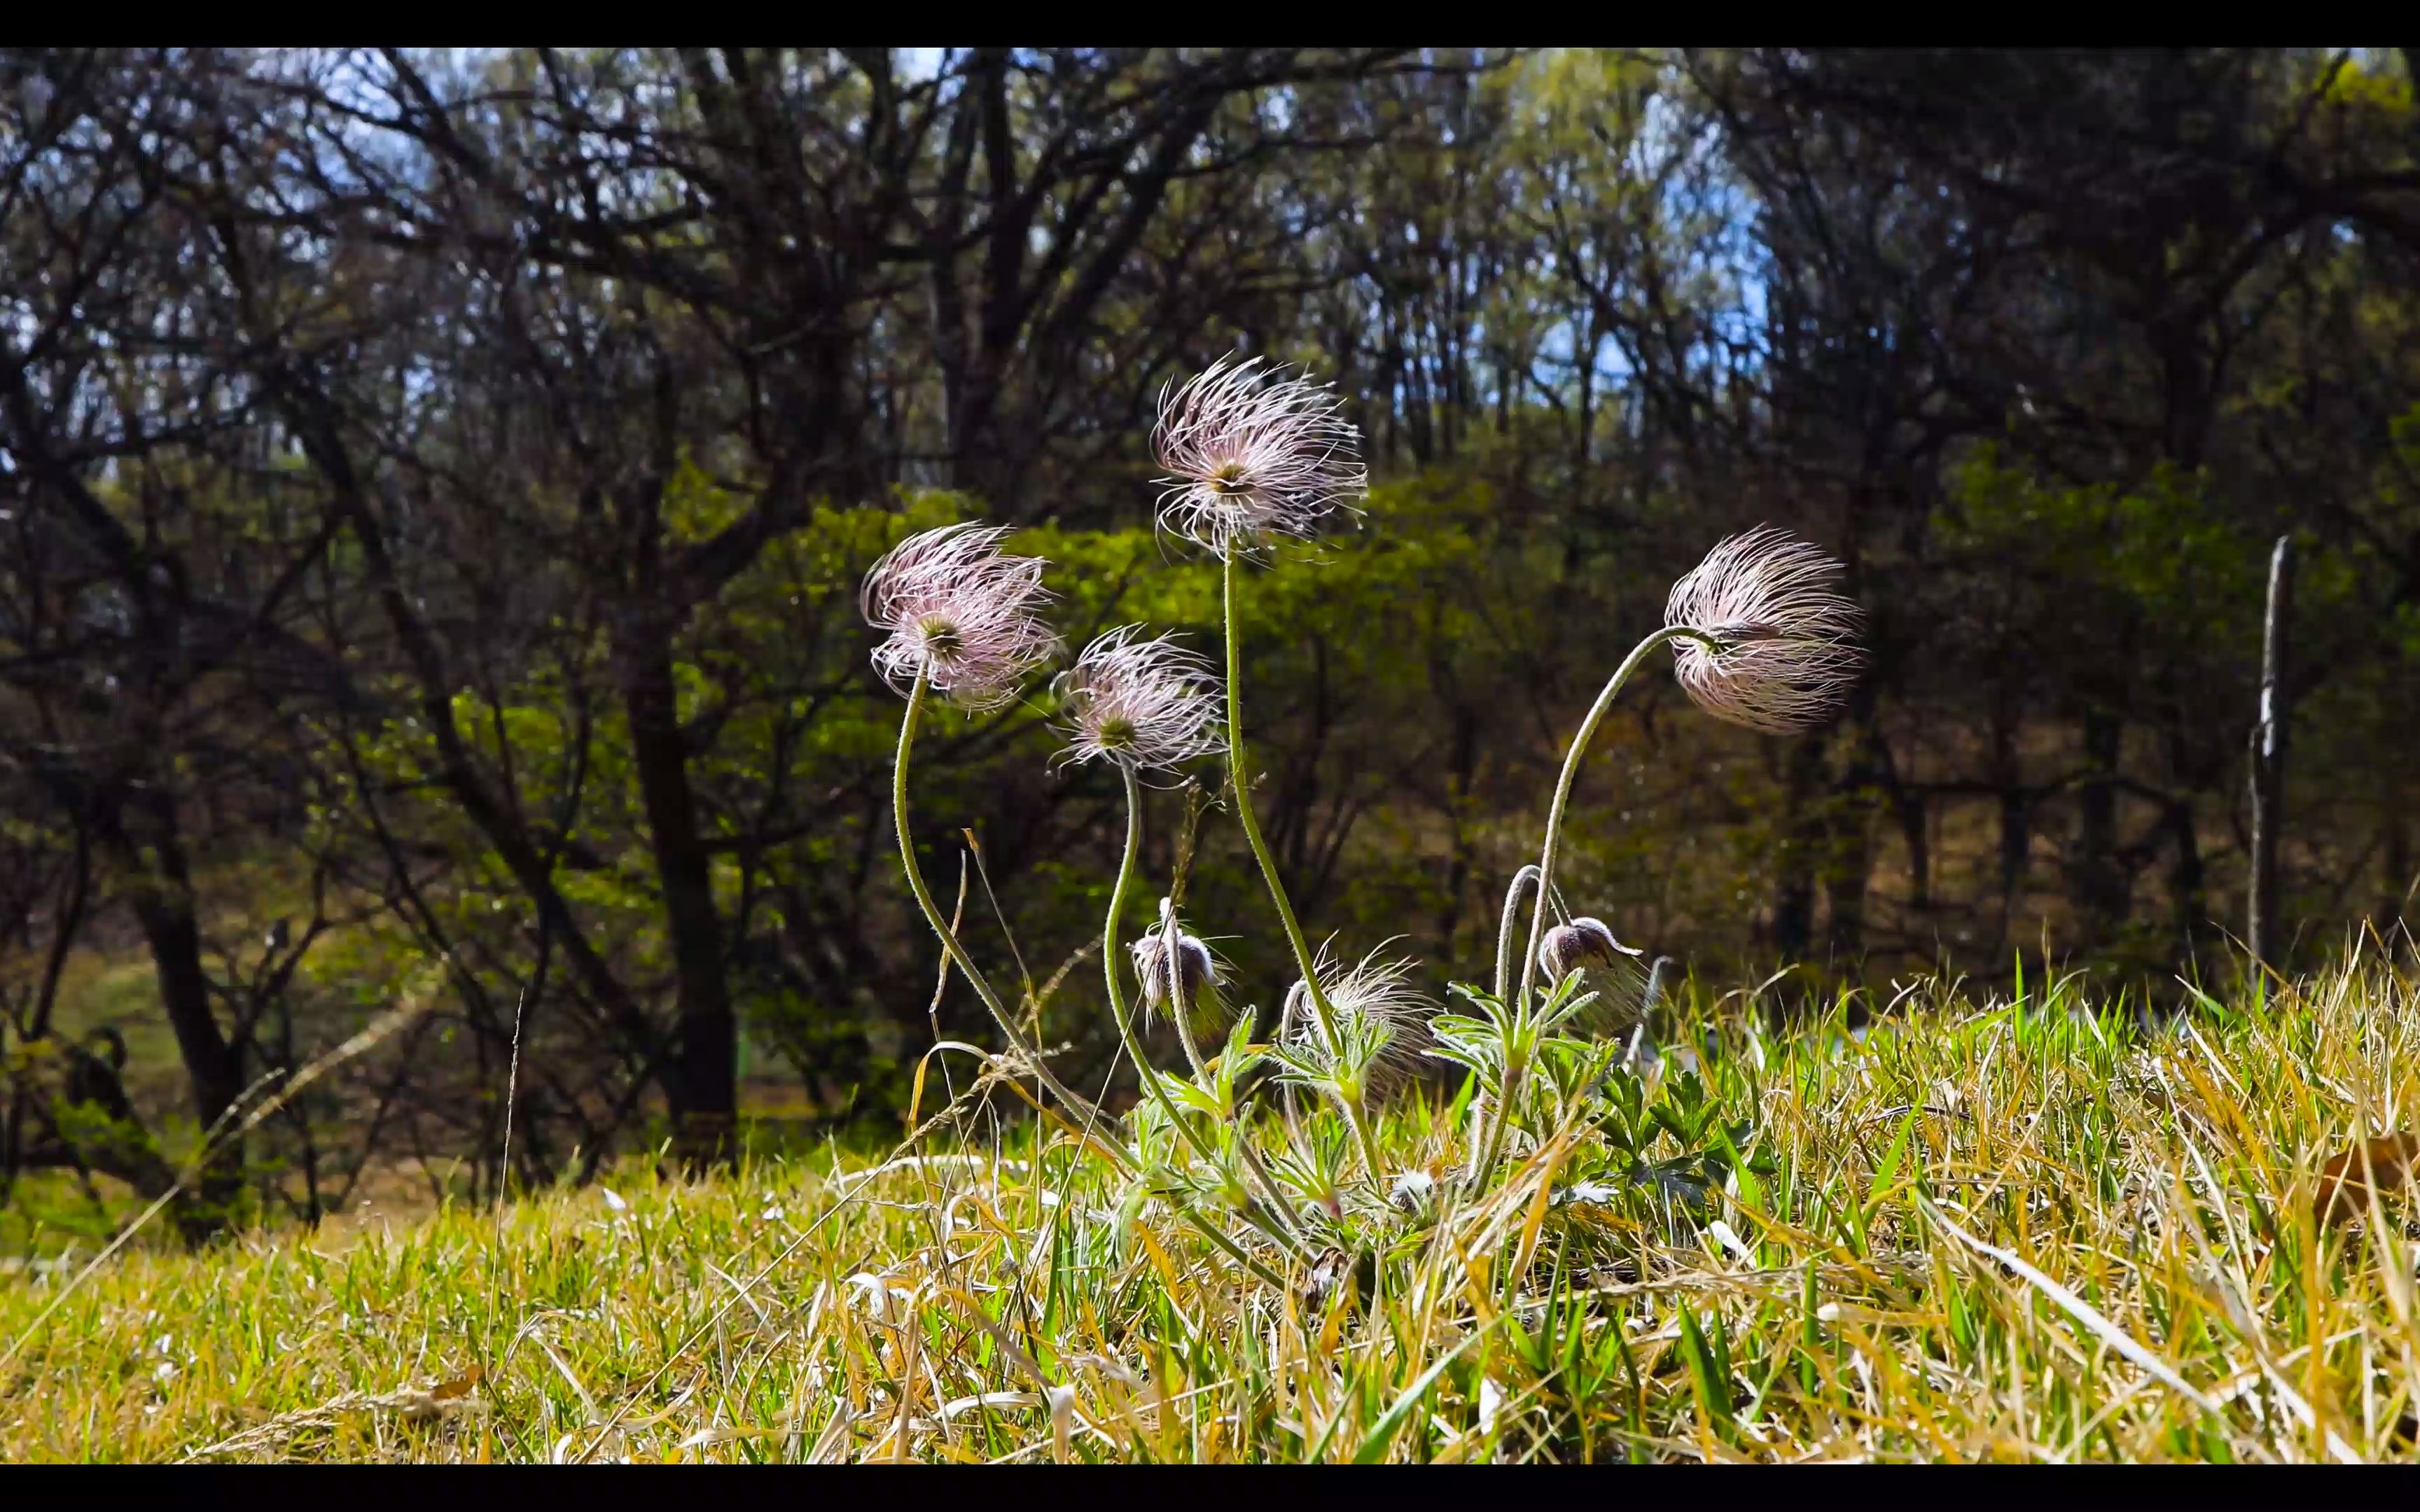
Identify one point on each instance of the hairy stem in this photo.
(1242, 782)
(1499, 1119)
(1504, 929)
(1571, 772)
(958, 952)
(1237, 771)
(1110, 946)
(1482, 1150)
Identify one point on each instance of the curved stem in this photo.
(1483, 1150)
(1504, 927)
(1571, 771)
(1110, 970)
(958, 952)
(1240, 780)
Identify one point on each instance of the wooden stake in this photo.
(2269, 762)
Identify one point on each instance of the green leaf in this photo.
(1891, 1157)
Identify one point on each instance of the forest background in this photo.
(434, 488)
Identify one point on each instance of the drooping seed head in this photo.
(961, 612)
(1790, 642)
(1253, 456)
(1377, 1007)
(1141, 704)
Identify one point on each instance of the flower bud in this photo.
(1580, 943)
(1196, 972)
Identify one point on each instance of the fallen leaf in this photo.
(2344, 1192)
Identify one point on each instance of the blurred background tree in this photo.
(433, 487)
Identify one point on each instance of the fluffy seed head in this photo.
(1375, 1004)
(961, 612)
(1790, 651)
(1142, 704)
(1252, 456)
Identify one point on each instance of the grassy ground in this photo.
(1977, 1231)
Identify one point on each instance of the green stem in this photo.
(1180, 1012)
(1504, 931)
(1240, 779)
(1499, 1119)
(1236, 1252)
(958, 952)
(1242, 782)
(1499, 1122)
(1482, 1150)
(1109, 944)
(1571, 772)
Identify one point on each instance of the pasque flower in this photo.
(1582, 942)
(1617, 972)
(1253, 455)
(1788, 651)
(960, 613)
(1381, 1017)
(1140, 704)
(1197, 973)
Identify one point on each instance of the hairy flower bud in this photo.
(1569, 946)
(1197, 973)
(1615, 973)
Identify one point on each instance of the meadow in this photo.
(2039, 1229)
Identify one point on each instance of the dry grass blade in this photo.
(2077, 1308)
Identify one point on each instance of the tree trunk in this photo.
(152, 852)
(2016, 819)
(2396, 881)
(2099, 888)
(704, 1095)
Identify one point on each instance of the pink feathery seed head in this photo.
(1141, 704)
(1374, 996)
(961, 612)
(1789, 650)
(1252, 456)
